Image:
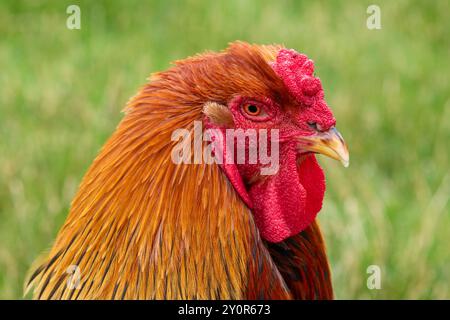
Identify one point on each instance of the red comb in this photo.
(296, 70)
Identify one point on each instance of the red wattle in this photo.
(288, 202)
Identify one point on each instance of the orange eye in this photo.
(252, 110)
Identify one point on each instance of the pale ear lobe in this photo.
(218, 114)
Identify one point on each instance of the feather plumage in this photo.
(141, 227)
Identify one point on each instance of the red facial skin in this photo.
(285, 203)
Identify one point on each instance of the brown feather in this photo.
(141, 227)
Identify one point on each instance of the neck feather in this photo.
(141, 227)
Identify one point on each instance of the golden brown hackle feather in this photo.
(141, 227)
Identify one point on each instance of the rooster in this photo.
(143, 227)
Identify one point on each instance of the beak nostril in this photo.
(315, 126)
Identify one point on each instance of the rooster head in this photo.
(287, 101)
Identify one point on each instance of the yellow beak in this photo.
(329, 143)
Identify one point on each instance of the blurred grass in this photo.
(61, 92)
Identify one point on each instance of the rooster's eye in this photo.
(252, 110)
(255, 111)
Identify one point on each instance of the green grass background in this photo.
(61, 92)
